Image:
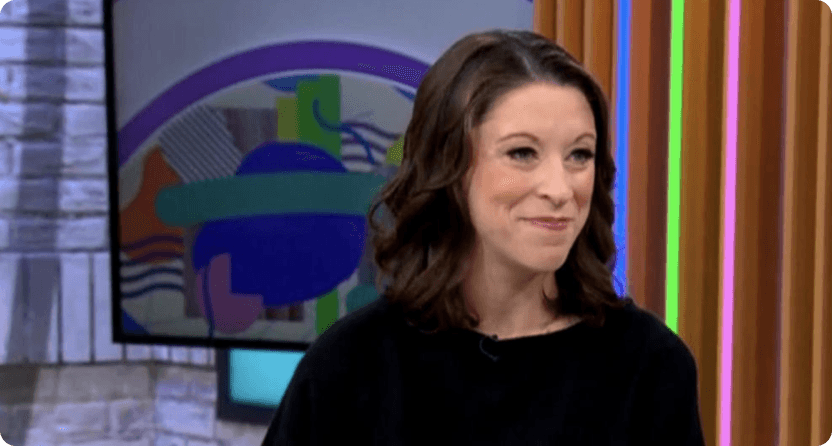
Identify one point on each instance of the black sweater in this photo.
(372, 379)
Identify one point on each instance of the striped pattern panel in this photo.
(754, 260)
(201, 130)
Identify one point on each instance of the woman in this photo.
(499, 323)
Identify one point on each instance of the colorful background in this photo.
(723, 196)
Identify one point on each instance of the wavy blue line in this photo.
(145, 290)
(341, 128)
(410, 96)
(150, 272)
(355, 158)
(353, 142)
(369, 126)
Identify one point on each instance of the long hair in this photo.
(422, 249)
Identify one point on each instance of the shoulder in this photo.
(355, 338)
(645, 337)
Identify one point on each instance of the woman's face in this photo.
(530, 185)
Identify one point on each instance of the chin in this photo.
(548, 264)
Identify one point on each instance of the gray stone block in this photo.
(205, 389)
(104, 382)
(40, 437)
(178, 382)
(169, 440)
(84, 12)
(146, 441)
(44, 45)
(7, 152)
(41, 82)
(73, 46)
(40, 234)
(13, 44)
(78, 421)
(13, 423)
(85, 121)
(4, 233)
(84, 46)
(13, 82)
(85, 84)
(29, 120)
(12, 13)
(239, 434)
(185, 417)
(43, 12)
(41, 325)
(85, 155)
(171, 383)
(24, 385)
(34, 82)
(52, 195)
(52, 12)
(84, 195)
(69, 156)
(132, 419)
(29, 195)
(202, 443)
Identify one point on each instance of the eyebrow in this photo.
(534, 138)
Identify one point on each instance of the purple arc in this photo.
(268, 60)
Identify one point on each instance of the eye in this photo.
(522, 153)
(583, 155)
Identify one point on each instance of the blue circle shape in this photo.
(285, 258)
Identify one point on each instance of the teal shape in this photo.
(360, 296)
(342, 193)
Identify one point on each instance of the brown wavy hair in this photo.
(424, 237)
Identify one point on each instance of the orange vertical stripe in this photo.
(799, 221)
(757, 237)
(822, 334)
(702, 158)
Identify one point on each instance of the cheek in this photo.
(584, 190)
(508, 190)
(501, 188)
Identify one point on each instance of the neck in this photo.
(509, 301)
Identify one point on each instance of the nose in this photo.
(554, 184)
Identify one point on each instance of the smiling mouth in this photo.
(552, 225)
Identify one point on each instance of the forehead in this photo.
(541, 107)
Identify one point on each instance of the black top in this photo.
(372, 379)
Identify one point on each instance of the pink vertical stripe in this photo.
(729, 225)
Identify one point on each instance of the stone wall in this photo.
(75, 387)
(116, 405)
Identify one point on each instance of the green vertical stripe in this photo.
(674, 177)
(395, 152)
(287, 119)
(327, 91)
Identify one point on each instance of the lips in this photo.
(550, 219)
(550, 222)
